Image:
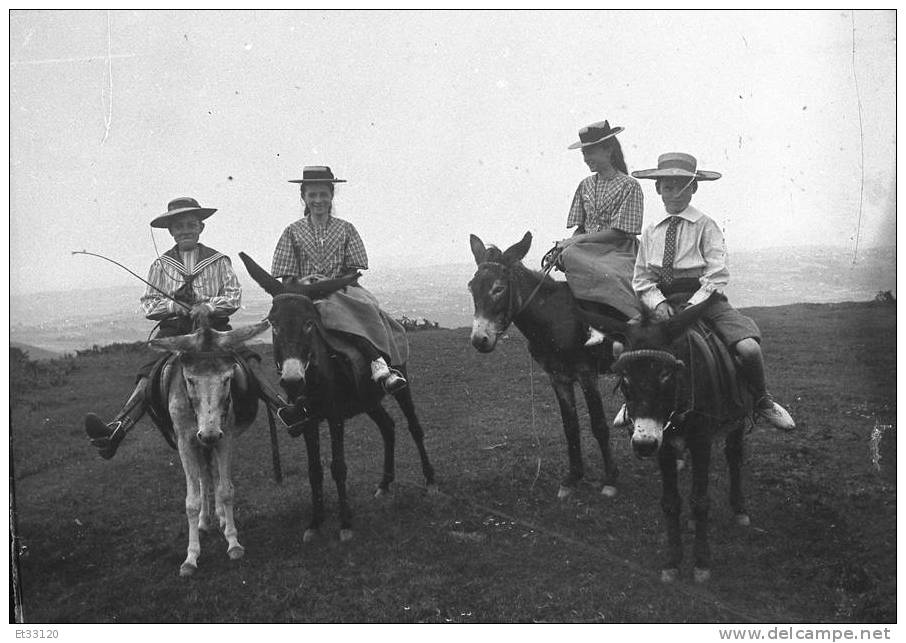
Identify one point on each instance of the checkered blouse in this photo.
(603, 204)
(305, 249)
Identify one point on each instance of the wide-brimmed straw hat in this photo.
(594, 134)
(182, 205)
(317, 174)
(677, 164)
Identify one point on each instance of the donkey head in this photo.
(208, 371)
(298, 333)
(651, 376)
(493, 290)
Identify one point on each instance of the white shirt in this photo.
(701, 253)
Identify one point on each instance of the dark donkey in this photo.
(333, 389)
(544, 310)
(681, 392)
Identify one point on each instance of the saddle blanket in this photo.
(356, 311)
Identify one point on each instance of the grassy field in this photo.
(102, 540)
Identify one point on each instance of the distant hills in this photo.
(34, 353)
(58, 322)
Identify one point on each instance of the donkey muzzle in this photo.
(292, 377)
(484, 334)
(647, 436)
(209, 437)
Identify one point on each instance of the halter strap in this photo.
(510, 284)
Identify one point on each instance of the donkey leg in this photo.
(191, 467)
(601, 431)
(566, 398)
(699, 502)
(338, 471)
(208, 504)
(670, 504)
(404, 399)
(316, 482)
(386, 426)
(735, 453)
(225, 495)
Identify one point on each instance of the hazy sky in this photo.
(444, 123)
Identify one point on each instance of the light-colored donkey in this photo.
(206, 389)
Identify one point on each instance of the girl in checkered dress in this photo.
(607, 215)
(322, 246)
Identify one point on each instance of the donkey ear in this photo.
(262, 277)
(232, 338)
(321, 289)
(478, 249)
(518, 250)
(178, 343)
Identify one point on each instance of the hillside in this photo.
(35, 353)
(102, 540)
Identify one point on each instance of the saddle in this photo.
(245, 396)
(732, 396)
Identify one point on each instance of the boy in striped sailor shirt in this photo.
(202, 281)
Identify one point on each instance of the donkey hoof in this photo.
(237, 552)
(669, 575)
(309, 535)
(187, 569)
(743, 520)
(564, 492)
(432, 489)
(701, 575)
(609, 491)
(381, 493)
(345, 535)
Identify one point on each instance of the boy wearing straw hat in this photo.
(198, 281)
(682, 261)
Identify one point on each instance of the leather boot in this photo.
(389, 378)
(107, 437)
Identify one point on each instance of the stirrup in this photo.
(296, 419)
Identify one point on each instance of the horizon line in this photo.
(401, 259)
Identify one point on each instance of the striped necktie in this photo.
(669, 251)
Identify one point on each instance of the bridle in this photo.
(229, 354)
(294, 296)
(676, 418)
(513, 296)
